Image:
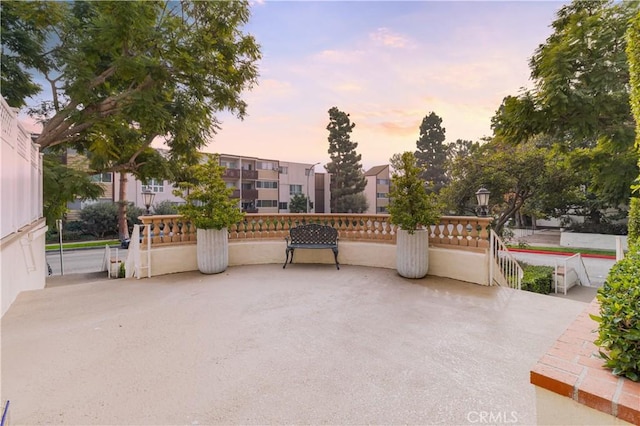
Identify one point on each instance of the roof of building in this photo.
(375, 170)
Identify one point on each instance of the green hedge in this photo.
(537, 279)
(634, 221)
(619, 328)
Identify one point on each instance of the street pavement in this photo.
(80, 261)
(597, 269)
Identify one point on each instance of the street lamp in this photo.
(147, 199)
(482, 196)
(309, 170)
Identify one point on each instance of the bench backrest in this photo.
(313, 234)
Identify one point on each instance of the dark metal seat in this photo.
(312, 236)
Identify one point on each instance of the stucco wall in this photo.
(449, 263)
(592, 241)
(554, 409)
(20, 252)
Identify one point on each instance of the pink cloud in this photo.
(384, 36)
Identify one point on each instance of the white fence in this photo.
(593, 241)
(20, 175)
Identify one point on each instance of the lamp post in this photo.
(482, 196)
(147, 199)
(309, 170)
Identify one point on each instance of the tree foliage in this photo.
(524, 176)
(298, 204)
(410, 206)
(633, 52)
(24, 33)
(122, 74)
(165, 66)
(347, 176)
(61, 185)
(431, 153)
(208, 203)
(353, 203)
(581, 96)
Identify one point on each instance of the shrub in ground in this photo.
(600, 228)
(133, 213)
(100, 219)
(619, 320)
(165, 207)
(634, 221)
(537, 279)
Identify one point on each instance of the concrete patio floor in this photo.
(263, 345)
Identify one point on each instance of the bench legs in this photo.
(287, 257)
(290, 260)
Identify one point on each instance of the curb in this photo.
(57, 250)
(562, 253)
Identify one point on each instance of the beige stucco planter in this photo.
(412, 253)
(212, 250)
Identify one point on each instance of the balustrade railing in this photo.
(457, 231)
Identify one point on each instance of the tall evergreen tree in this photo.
(431, 154)
(347, 176)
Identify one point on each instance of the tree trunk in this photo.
(123, 227)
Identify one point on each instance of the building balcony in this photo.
(247, 194)
(249, 174)
(237, 173)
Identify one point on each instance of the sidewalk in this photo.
(541, 238)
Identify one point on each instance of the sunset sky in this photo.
(387, 64)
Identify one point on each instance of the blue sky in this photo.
(387, 64)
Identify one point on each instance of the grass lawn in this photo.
(82, 244)
(565, 250)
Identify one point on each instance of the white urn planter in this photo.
(412, 253)
(212, 246)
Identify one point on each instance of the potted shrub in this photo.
(211, 210)
(412, 209)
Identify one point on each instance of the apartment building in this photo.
(255, 182)
(377, 189)
(260, 185)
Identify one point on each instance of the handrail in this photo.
(580, 270)
(452, 231)
(508, 272)
(586, 274)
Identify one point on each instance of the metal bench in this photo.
(311, 236)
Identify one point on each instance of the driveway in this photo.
(263, 345)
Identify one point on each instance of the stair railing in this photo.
(504, 269)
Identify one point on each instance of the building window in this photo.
(267, 184)
(267, 203)
(284, 170)
(231, 185)
(382, 195)
(228, 164)
(283, 206)
(153, 185)
(381, 209)
(267, 165)
(295, 189)
(382, 181)
(102, 177)
(246, 186)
